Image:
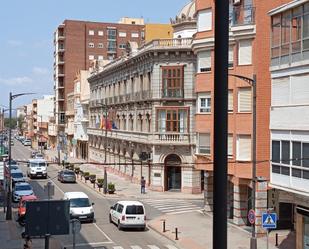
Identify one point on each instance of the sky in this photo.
(26, 36)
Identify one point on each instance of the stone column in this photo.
(208, 192)
(260, 206)
(240, 204)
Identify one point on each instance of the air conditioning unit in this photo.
(236, 2)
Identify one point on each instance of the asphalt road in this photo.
(100, 234)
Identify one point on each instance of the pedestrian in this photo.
(143, 185)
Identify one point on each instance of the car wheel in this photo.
(119, 225)
(110, 219)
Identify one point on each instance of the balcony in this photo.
(69, 113)
(172, 93)
(167, 43)
(69, 129)
(84, 119)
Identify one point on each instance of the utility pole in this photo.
(220, 124)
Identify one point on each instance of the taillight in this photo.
(145, 217)
(123, 217)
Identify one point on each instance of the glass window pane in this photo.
(305, 174)
(305, 155)
(285, 152)
(296, 153)
(276, 151)
(306, 26)
(276, 169)
(296, 173)
(285, 170)
(276, 24)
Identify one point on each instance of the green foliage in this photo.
(111, 186)
(11, 124)
(100, 181)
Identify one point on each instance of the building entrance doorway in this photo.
(172, 173)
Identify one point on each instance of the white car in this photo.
(27, 142)
(21, 189)
(37, 168)
(80, 206)
(128, 214)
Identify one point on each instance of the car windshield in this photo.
(23, 188)
(79, 202)
(42, 164)
(70, 173)
(14, 167)
(39, 155)
(17, 175)
(135, 209)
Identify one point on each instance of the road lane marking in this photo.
(117, 247)
(182, 212)
(136, 247)
(103, 232)
(178, 207)
(89, 244)
(153, 247)
(176, 210)
(171, 247)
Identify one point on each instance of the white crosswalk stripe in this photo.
(148, 246)
(153, 247)
(117, 247)
(172, 206)
(136, 247)
(171, 247)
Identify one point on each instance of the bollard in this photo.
(163, 226)
(93, 184)
(176, 233)
(276, 239)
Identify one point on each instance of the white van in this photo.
(37, 168)
(80, 206)
(128, 214)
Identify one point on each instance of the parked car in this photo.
(80, 206)
(37, 168)
(27, 142)
(66, 176)
(21, 189)
(22, 207)
(128, 214)
(17, 176)
(38, 156)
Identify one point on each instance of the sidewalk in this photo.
(195, 228)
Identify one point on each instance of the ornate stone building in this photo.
(145, 102)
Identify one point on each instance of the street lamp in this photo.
(9, 200)
(252, 83)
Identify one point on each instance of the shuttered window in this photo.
(204, 20)
(230, 145)
(300, 89)
(231, 56)
(203, 143)
(244, 147)
(245, 52)
(204, 61)
(230, 101)
(280, 91)
(244, 100)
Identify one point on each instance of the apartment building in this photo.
(248, 53)
(289, 116)
(77, 44)
(81, 118)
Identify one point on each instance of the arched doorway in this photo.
(172, 169)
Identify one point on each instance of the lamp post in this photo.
(9, 200)
(252, 83)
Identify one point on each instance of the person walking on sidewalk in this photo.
(143, 185)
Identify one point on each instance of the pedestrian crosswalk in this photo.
(172, 206)
(146, 247)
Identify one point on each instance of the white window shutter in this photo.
(300, 89)
(204, 61)
(204, 143)
(204, 20)
(245, 52)
(280, 91)
(244, 99)
(230, 101)
(231, 54)
(244, 148)
(230, 145)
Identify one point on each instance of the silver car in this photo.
(21, 189)
(66, 176)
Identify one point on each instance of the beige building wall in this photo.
(158, 31)
(130, 20)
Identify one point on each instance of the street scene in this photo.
(155, 125)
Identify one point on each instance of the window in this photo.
(275, 36)
(230, 101)
(204, 103)
(122, 34)
(244, 99)
(111, 46)
(230, 145)
(172, 120)
(100, 57)
(285, 152)
(285, 32)
(91, 32)
(204, 20)
(122, 46)
(91, 57)
(203, 143)
(244, 147)
(100, 33)
(204, 61)
(275, 151)
(111, 34)
(305, 154)
(245, 52)
(296, 153)
(172, 78)
(134, 35)
(100, 45)
(231, 56)
(91, 45)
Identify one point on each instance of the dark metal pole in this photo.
(105, 145)
(9, 195)
(253, 240)
(220, 124)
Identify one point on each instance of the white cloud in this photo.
(14, 43)
(16, 81)
(40, 70)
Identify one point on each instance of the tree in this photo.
(11, 124)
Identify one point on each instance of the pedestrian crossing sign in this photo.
(269, 220)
